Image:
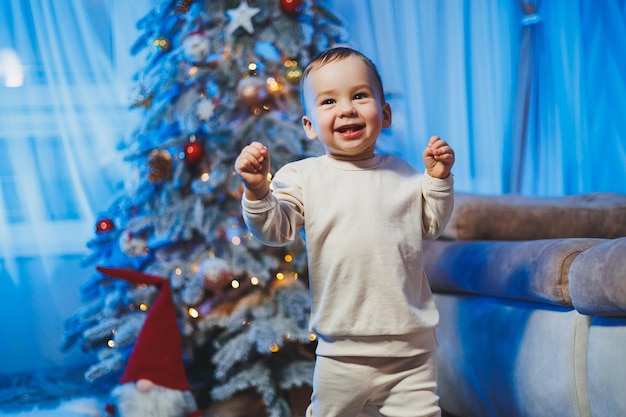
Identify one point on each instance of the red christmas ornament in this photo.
(194, 152)
(104, 225)
(292, 7)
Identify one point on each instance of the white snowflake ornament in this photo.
(241, 17)
(205, 109)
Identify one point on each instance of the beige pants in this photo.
(388, 387)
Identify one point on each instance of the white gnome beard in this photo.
(157, 402)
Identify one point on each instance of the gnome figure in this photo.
(154, 383)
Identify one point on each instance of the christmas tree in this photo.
(219, 74)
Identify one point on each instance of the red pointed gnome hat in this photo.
(158, 351)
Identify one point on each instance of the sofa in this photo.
(532, 298)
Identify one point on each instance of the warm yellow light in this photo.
(288, 258)
(312, 337)
(192, 70)
(178, 271)
(280, 276)
(288, 336)
(193, 313)
(295, 275)
(274, 348)
(272, 85)
(234, 283)
(111, 343)
(252, 66)
(236, 240)
(143, 307)
(254, 281)
(296, 73)
(205, 176)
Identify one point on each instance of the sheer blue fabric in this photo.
(529, 93)
(65, 83)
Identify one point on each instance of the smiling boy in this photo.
(365, 215)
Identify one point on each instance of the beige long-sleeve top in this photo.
(364, 223)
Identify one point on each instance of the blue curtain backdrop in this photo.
(531, 94)
(65, 88)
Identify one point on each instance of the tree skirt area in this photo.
(79, 407)
(55, 393)
(65, 393)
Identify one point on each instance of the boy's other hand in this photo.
(252, 166)
(438, 157)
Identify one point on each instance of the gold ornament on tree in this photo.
(162, 44)
(142, 98)
(183, 6)
(252, 90)
(159, 166)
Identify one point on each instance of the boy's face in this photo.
(344, 109)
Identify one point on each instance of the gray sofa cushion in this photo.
(535, 270)
(508, 358)
(509, 217)
(598, 279)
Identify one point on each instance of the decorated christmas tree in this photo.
(218, 75)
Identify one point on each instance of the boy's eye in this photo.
(359, 96)
(328, 101)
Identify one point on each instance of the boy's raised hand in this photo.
(252, 166)
(438, 157)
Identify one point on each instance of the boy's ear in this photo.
(386, 115)
(308, 128)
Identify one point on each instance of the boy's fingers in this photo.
(258, 147)
(433, 139)
(247, 163)
(254, 164)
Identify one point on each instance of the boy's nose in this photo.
(347, 108)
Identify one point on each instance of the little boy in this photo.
(365, 215)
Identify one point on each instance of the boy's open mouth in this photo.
(350, 128)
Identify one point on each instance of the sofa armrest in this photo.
(535, 270)
(598, 280)
(510, 217)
